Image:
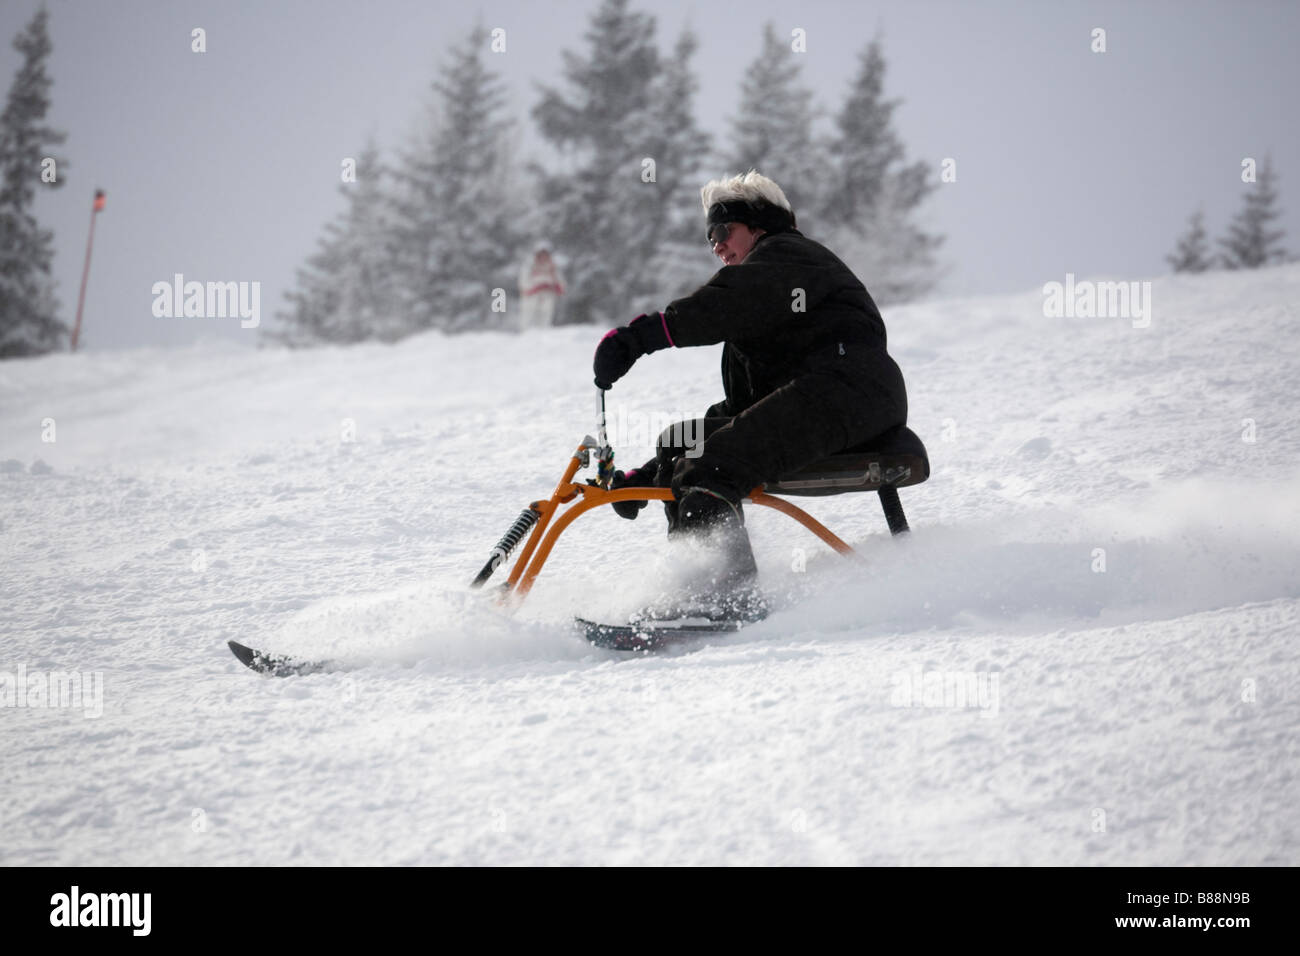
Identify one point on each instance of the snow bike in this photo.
(892, 460)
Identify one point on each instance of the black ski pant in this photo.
(814, 415)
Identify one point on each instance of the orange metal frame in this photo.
(543, 536)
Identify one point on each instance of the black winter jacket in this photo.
(753, 307)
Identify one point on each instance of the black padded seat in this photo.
(893, 459)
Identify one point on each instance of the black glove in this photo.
(621, 347)
(636, 478)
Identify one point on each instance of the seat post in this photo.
(893, 509)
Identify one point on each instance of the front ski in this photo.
(651, 636)
(276, 666)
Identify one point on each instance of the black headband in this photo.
(763, 215)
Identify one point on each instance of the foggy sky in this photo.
(225, 165)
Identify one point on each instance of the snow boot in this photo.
(726, 589)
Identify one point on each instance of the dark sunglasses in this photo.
(718, 232)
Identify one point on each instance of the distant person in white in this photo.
(540, 285)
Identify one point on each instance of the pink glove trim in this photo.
(667, 334)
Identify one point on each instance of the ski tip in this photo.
(245, 654)
(275, 666)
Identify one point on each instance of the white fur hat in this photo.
(750, 198)
(751, 187)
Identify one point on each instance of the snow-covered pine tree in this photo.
(347, 291)
(673, 223)
(865, 147)
(29, 322)
(459, 232)
(1192, 254)
(1250, 243)
(871, 206)
(594, 208)
(774, 130)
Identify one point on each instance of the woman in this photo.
(805, 372)
(540, 286)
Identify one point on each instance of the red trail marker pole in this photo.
(85, 271)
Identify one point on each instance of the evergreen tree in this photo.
(1192, 254)
(348, 292)
(865, 147)
(871, 206)
(457, 226)
(774, 132)
(1250, 243)
(674, 259)
(595, 209)
(29, 324)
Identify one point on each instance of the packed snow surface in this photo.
(1085, 653)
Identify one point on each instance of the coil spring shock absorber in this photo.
(527, 518)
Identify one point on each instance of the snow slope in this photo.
(1102, 556)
